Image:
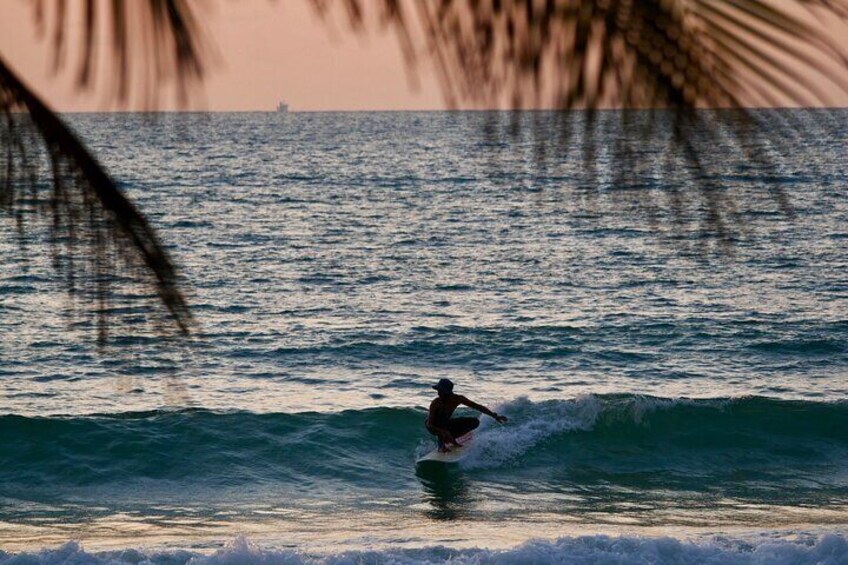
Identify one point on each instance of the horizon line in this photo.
(434, 110)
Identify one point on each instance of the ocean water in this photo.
(672, 353)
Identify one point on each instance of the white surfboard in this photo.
(455, 455)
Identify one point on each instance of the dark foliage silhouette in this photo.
(46, 173)
(666, 57)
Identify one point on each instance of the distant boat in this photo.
(282, 108)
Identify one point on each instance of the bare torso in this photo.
(442, 408)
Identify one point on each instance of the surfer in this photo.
(447, 429)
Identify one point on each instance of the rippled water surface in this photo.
(673, 356)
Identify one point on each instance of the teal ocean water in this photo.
(672, 355)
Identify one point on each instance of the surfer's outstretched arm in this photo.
(480, 408)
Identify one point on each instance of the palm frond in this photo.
(657, 55)
(616, 53)
(47, 174)
(565, 54)
(140, 46)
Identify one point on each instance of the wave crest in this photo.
(772, 440)
(765, 549)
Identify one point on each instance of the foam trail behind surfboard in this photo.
(530, 423)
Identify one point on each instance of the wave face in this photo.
(753, 448)
(825, 549)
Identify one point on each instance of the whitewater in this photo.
(675, 395)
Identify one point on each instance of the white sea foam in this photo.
(534, 422)
(498, 445)
(771, 549)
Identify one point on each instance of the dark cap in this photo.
(444, 385)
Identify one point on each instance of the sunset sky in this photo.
(266, 52)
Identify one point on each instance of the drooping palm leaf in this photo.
(89, 217)
(46, 173)
(140, 46)
(622, 53)
(675, 54)
(658, 55)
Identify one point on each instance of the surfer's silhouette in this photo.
(447, 429)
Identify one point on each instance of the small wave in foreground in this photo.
(823, 549)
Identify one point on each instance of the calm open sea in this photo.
(673, 355)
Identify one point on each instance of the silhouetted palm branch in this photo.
(671, 55)
(666, 57)
(622, 53)
(140, 45)
(47, 173)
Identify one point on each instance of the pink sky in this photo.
(267, 52)
(271, 51)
